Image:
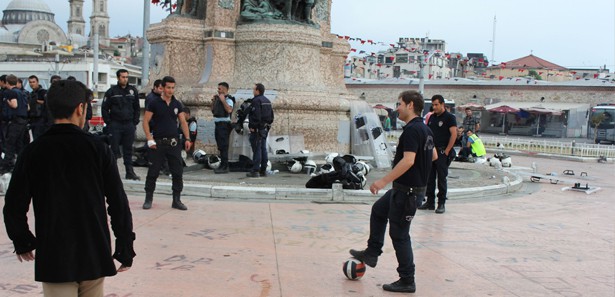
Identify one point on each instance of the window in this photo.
(102, 6)
(401, 58)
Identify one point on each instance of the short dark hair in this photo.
(117, 73)
(3, 78)
(11, 80)
(167, 79)
(33, 77)
(416, 98)
(20, 81)
(260, 88)
(64, 96)
(224, 84)
(54, 77)
(186, 110)
(467, 108)
(71, 78)
(157, 83)
(438, 98)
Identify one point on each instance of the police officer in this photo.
(166, 112)
(222, 107)
(444, 127)
(260, 120)
(120, 111)
(411, 167)
(14, 122)
(38, 112)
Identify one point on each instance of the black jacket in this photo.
(68, 173)
(121, 105)
(261, 113)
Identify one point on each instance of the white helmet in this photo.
(199, 156)
(368, 168)
(295, 166)
(507, 162)
(495, 162)
(213, 161)
(363, 181)
(363, 168)
(310, 166)
(326, 168)
(269, 165)
(329, 158)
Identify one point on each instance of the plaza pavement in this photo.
(537, 241)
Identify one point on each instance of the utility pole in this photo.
(423, 61)
(95, 66)
(493, 42)
(145, 50)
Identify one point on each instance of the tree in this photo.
(116, 53)
(595, 122)
(535, 75)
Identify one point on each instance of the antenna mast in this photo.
(493, 42)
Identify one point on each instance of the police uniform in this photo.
(261, 118)
(120, 111)
(398, 205)
(440, 126)
(168, 146)
(222, 132)
(14, 125)
(39, 118)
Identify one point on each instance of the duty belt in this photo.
(409, 190)
(167, 141)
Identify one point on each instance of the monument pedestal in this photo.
(301, 64)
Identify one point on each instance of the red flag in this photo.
(430, 76)
(155, 1)
(353, 50)
(379, 65)
(573, 72)
(362, 41)
(540, 73)
(448, 56)
(503, 65)
(340, 36)
(501, 77)
(596, 75)
(370, 41)
(392, 45)
(346, 37)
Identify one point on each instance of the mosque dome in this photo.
(25, 11)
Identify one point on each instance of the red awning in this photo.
(503, 109)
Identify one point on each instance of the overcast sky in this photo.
(572, 34)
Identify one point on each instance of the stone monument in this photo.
(284, 44)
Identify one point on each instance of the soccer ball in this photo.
(353, 269)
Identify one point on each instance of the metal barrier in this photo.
(550, 147)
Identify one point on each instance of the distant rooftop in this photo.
(531, 62)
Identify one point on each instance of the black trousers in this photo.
(14, 132)
(439, 172)
(222, 134)
(258, 141)
(122, 134)
(398, 209)
(157, 157)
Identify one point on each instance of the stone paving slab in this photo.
(538, 241)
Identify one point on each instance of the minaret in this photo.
(76, 23)
(99, 21)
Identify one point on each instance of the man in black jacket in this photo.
(38, 112)
(261, 118)
(120, 111)
(68, 192)
(222, 106)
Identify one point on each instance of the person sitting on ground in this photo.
(474, 148)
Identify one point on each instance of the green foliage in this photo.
(535, 75)
(116, 53)
(595, 121)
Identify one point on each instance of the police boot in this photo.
(130, 173)
(177, 203)
(148, 200)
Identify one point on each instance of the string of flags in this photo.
(166, 4)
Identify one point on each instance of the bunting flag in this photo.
(595, 75)
(430, 76)
(573, 72)
(361, 52)
(540, 73)
(353, 50)
(501, 77)
(502, 65)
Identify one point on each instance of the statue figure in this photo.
(259, 9)
(197, 8)
(302, 11)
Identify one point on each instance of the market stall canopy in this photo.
(380, 106)
(542, 110)
(472, 106)
(503, 109)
